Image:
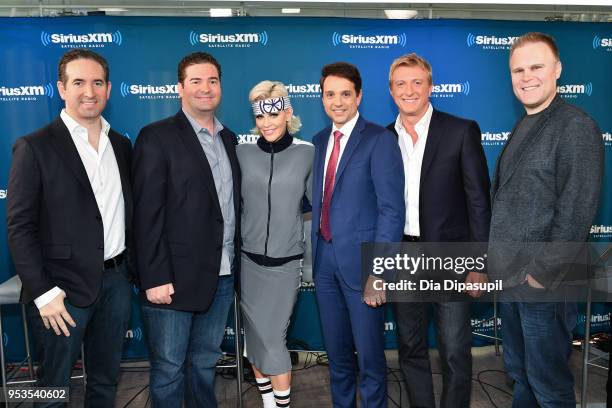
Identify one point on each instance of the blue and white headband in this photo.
(271, 105)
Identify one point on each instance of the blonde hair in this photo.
(535, 37)
(273, 89)
(411, 60)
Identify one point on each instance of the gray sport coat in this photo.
(549, 193)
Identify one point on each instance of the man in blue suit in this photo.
(358, 185)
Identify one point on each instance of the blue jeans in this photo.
(101, 327)
(537, 347)
(184, 348)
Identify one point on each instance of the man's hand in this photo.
(534, 283)
(161, 295)
(54, 315)
(477, 278)
(373, 297)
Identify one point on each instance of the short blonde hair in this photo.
(535, 37)
(411, 60)
(273, 89)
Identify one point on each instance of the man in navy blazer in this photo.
(447, 200)
(358, 185)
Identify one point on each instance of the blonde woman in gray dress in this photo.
(276, 175)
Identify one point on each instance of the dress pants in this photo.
(350, 325)
(453, 326)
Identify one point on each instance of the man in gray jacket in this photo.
(545, 190)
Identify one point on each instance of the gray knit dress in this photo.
(275, 178)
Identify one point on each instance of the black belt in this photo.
(411, 238)
(113, 262)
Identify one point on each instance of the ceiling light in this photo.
(220, 12)
(401, 14)
(291, 11)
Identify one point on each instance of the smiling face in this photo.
(411, 89)
(273, 126)
(534, 70)
(85, 91)
(200, 91)
(340, 99)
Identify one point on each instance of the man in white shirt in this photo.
(357, 197)
(68, 216)
(447, 200)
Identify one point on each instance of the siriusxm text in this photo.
(81, 38)
(22, 91)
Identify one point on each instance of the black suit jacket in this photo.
(178, 221)
(55, 230)
(454, 204)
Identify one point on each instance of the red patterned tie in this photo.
(330, 179)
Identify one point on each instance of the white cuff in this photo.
(47, 297)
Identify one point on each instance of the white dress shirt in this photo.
(346, 131)
(412, 157)
(103, 173)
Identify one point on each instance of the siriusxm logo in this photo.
(235, 40)
(389, 326)
(26, 92)
(601, 231)
(490, 42)
(134, 334)
(304, 90)
(369, 41)
(607, 138)
(494, 138)
(573, 91)
(89, 40)
(167, 91)
(450, 90)
(247, 138)
(3, 194)
(604, 43)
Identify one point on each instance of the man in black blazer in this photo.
(187, 219)
(69, 212)
(447, 200)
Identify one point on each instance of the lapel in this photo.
(229, 143)
(434, 136)
(64, 146)
(195, 151)
(535, 133)
(349, 149)
(124, 171)
(319, 164)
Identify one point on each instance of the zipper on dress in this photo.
(269, 200)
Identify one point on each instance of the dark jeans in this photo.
(184, 348)
(452, 320)
(537, 347)
(101, 327)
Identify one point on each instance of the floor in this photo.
(310, 387)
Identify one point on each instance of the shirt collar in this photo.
(75, 128)
(348, 127)
(218, 127)
(421, 126)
